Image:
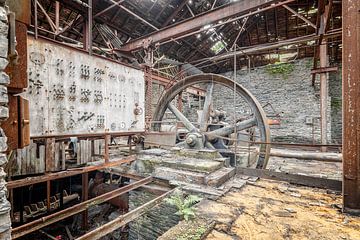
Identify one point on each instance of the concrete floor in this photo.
(276, 210)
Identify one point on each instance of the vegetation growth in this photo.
(184, 205)
(279, 68)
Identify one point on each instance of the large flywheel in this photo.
(223, 135)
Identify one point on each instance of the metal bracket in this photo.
(13, 55)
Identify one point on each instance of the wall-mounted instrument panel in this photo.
(71, 92)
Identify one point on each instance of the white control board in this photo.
(71, 92)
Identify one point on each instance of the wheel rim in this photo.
(259, 114)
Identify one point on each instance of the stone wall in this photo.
(292, 97)
(335, 91)
(155, 222)
(5, 223)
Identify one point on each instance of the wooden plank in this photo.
(57, 156)
(63, 156)
(49, 154)
(324, 70)
(42, 158)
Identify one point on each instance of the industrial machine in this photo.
(211, 131)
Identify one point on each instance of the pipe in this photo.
(306, 155)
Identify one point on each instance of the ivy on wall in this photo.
(279, 68)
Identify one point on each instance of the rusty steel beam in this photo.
(78, 208)
(174, 13)
(198, 22)
(168, 82)
(351, 105)
(87, 135)
(72, 172)
(122, 220)
(324, 70)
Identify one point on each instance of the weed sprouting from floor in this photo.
(184, 204)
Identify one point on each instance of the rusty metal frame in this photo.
(87, 135)
(189, 25)
(351, 106)
(123, 219)
(68, 173)
(78, 208)
(300, 16)
(50, 21)
(108, 8)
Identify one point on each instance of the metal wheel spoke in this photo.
(188, 125)
(225, 131)
(207, 108)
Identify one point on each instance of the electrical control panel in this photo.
(71, 92)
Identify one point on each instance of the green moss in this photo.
(193, 234)
(310, 63)
(336, 103)
(278, 68)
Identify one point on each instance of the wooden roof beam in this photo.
(300, 16)
(175, 12)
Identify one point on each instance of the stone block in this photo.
(6, 235)
(3, 159)
(179, 175)
(4, 28)
(4, 99)
(192, 164)
(3, 15)
(219, 177)
(3, 46)
(4, 112)
(2, 174)
(3, 142)
(5, 207)
(3, 63)
(4, 78)
(204, 154)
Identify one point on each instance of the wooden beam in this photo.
(174, 13)
(300, 16)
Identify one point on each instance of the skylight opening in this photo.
(218, 47)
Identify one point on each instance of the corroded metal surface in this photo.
(259, 114)
(22, 9)
(198, 22)
(45, 221)
(17, 70)
(351, 104)
(117, 223)
(53, 176)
